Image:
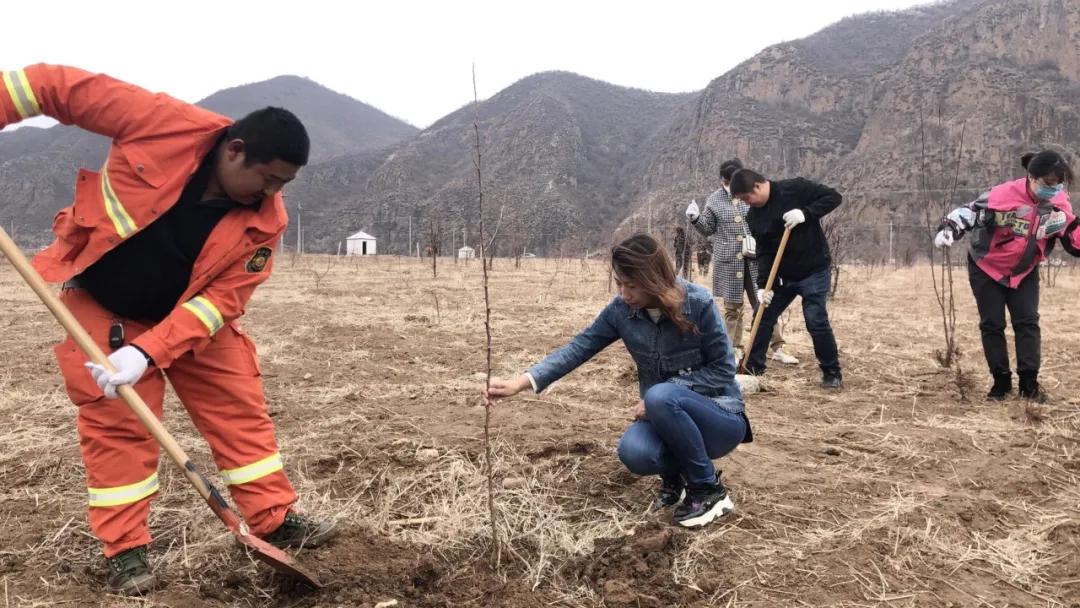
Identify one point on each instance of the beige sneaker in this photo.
(782, 357)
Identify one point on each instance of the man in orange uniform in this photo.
(158, 255)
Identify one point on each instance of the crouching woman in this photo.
(691, 409)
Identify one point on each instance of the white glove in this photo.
(130, 366)
(944, 238)
(1055, 222)
(794, 218)
(765, 297)
(749, 247)
(692, 211)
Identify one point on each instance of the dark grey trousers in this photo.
(992, 299)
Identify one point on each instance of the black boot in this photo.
(1030, 389)
(1002, 387)
(672, 490)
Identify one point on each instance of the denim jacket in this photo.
(704, 362)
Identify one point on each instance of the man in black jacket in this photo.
(804, 271)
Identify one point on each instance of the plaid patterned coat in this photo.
(724, 221)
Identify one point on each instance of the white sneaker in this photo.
(782, 357)
(748, 384)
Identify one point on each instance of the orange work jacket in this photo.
(157, 144)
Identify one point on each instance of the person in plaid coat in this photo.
(734, 269)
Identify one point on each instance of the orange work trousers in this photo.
(221, 388)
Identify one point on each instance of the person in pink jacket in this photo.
(1014, 227)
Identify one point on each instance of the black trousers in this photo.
(993, 298)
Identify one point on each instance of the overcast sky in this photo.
(408, 58)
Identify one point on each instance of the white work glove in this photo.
(944, 238)
(692, 211)
(130, 364)
(749, 247)
(794, 218)
(765, 297)
(1055, 222)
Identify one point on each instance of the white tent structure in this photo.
(466, 253)
(360, 243)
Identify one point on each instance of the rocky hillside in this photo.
(876, 105)
(562, 158)
(37, 166)
(338, 124)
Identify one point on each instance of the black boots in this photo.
(1029, 387)
(1002, 387)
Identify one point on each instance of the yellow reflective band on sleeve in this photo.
(122, 495)
(206, 312)
(253, 471)
(125, 226)
(18, 87)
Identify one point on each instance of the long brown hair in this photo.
(641, 260)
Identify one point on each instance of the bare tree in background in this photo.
(434, 234)
(842, 232)
(942, 276)
(681, 244)
(1052, 266)
(490, 245)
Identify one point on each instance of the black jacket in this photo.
(807, 249)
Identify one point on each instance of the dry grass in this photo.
(890, 493)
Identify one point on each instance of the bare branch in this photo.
(494, 235)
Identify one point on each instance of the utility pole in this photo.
(299, 229)
(891, 242)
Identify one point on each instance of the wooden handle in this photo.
(88, 346)
(761, 305)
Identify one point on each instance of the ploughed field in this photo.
(892, 492)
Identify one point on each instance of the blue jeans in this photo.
(683, 432)
(814, 290)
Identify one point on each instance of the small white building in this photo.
(466, 253)
(360, 243)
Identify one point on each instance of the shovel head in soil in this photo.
(256, 547)
(277, 559)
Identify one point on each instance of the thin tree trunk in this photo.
(496, 551)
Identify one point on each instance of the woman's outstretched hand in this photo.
(505, 388)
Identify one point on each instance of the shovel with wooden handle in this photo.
(761, 305)
(262, 550)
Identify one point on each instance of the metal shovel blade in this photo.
(259, 548)
(277, 559)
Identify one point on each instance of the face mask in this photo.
(1044, 192)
